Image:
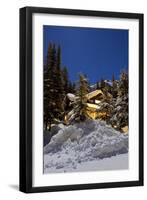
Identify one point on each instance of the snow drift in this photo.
(81, 143)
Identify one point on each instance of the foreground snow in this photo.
(91, 145)
(113, 163)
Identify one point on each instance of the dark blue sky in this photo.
(96, 52)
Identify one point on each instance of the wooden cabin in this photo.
(92, 108)
(94, 99)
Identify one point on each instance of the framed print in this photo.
(81, 99)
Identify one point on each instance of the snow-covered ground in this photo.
(86, 146)
(112, 163)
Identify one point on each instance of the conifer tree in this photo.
(65, 79)
(73, 88)
(83, 89)
(58, 84)
(102, 84)
(119, 116)
(113, 78)
(123, 84)
(53, 86)
(114, 89)
(98, 85)
(48, 87)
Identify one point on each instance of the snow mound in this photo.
(83, 142)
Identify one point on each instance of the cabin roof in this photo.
(93, 94)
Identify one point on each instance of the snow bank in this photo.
(82, 143)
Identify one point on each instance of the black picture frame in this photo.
(26, 170)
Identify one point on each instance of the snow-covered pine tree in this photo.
(106, 104)
(114, 88)
(73, 88)
(76, 110)
(123, 99)
(68, 86)
(119, 116)
(53, 87)
(49, 103)
(102, 84)
(58, 85)
(123, 84)
(65, 79)
(98, 85)
(83, 89)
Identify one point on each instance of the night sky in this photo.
(96, 52)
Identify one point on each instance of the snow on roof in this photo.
(93, 86)
(108, 82)
(71, 97)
